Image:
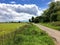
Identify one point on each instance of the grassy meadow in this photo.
(23, 34)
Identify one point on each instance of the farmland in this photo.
(9, 27)
(23, 34)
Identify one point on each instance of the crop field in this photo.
(9, 27)
(23, 34)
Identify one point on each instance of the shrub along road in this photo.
(53, 33)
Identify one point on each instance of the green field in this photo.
(9, 27)
(24, 34)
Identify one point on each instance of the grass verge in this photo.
(53, 25)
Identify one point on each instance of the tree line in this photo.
(51, 14)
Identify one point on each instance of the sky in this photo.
(21, 10)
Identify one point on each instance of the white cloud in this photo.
(13, 2)
(56, 0)
(16, 12)
(48, 3)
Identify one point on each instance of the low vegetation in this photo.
(9, 27)
(54, 25)
(28, 34)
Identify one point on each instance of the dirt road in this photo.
(53, 33)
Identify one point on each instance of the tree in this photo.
(36, 20)
(32, 19)
(19, 22)
(58, 16)
(49, 15)
(29, 20)
(51, 10)
(46, 16)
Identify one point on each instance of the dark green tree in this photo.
(29, 20)
(49, 15)
(32, 19)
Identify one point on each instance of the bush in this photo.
(56, 23)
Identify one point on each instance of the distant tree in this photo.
(32, 19)
(29, 20)
(36, 20)
(19, 21)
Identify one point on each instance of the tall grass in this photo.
(27, 35)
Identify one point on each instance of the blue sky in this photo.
(21, 10)
(40, 3)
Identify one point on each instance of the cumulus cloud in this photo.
(18, 12)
